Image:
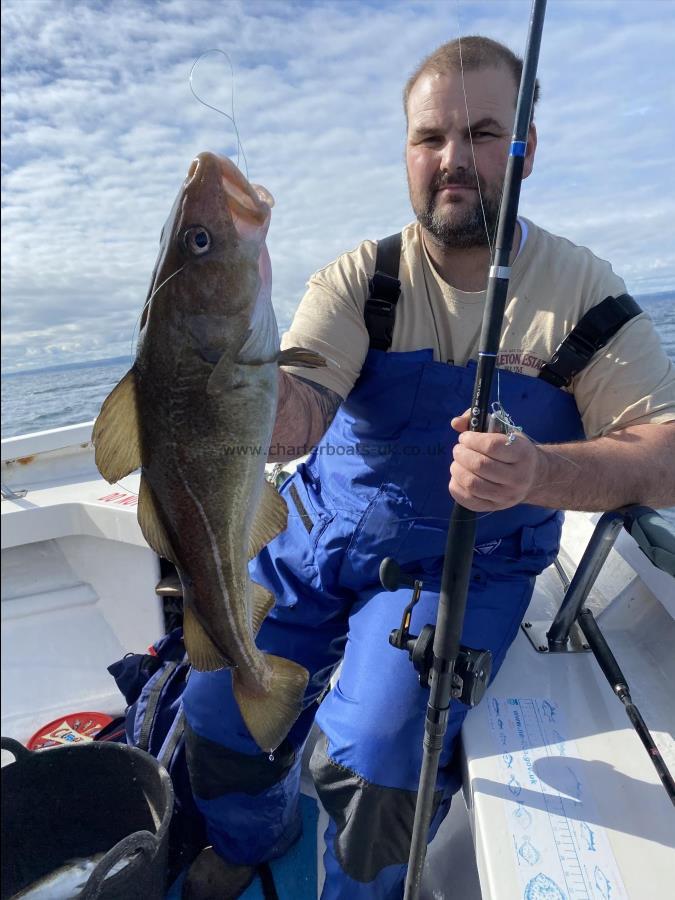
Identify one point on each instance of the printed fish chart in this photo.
(560, 851)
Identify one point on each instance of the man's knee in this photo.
(361, 809)
(216, 770)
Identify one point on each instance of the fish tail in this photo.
(270, 715)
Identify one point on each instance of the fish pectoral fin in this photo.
(202, 652)
(261, 605)
(296, 356)
(151, 523)
(269, 716)
(228, 375)
(116, 434)
(271, 519)
(221, 377)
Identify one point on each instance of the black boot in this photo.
(212, 878)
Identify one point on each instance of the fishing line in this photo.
(159, 286)
(147, 303)
(240, 147)
(468, 125)
(480, 193)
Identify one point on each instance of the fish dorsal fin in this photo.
(270, 519)
(202, 652)
(296, 356)
(116, 435)
(262, 602)
(151, 524)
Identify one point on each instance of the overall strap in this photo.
(154, 697)
(385, 290)
(589, 335)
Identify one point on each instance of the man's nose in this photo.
(456, 155)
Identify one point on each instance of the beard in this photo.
(460, 226)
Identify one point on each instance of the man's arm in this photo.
(304, 412)
(635, 464)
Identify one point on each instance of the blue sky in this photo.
(99, 127)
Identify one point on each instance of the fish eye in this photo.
(197, 240)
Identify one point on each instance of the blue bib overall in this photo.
(376, 486)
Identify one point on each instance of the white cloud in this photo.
(99, 127)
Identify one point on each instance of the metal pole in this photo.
(603, 539)
(462, 530)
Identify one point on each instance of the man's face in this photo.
(444, 174)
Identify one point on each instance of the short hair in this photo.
(468, 54)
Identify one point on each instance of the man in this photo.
(376, 485)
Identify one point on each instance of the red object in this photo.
(71, 728)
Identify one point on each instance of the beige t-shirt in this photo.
(553, 283)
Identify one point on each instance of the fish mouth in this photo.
(249, 203)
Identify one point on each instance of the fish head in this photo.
(213, 270)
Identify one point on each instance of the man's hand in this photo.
(487, 474)
(630, 465)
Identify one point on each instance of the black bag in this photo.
(153, 685)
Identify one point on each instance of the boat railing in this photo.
(45, 441)
(653, 535)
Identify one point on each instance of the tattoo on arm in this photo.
(304, 414)
(326, 400)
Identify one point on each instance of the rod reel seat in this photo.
(472, 670)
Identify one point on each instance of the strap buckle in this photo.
(569, 358)
(384, 289)
(379, 307)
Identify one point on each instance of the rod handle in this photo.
(601, 651)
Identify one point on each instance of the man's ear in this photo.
(530, 150)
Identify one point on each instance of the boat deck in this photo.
(561, 798)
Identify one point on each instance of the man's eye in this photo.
(482, 134)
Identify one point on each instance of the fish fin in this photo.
(229, 376)
(271, 519)
(262, 602)
(221, 377)
(296, 356)
(116, 435)
(270, 716)
(202, 652)
(253, 354)
(151, 523)
(261, 344)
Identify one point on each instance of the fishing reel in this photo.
(472, 669)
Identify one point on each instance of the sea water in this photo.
(40, 399)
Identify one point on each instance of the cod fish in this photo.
(196, 412)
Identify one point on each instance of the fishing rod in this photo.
(462, 531)
(617, 680)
